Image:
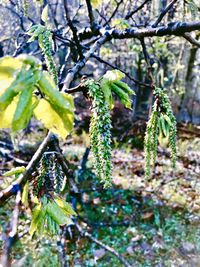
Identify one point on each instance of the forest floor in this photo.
(151, 223)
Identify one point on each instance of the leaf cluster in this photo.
(22, 82)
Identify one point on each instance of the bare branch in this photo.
(84, 233)
(192, 40)
(91, 15)
(81, 63)
(73, 29)
(129, 15)
(114, 12)
(163, 13)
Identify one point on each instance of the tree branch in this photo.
(129, 15)
(81, 63)
(84, 233)
(91, 15)
(73, 29)
(163, 13)
(192, 40)
(173, 28)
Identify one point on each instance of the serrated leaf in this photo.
(23, 111)
(113, 75)
(105, 85)
(36, 215)
(59, 121)
(66, 207)
(57, 214)
(44, 15)
(49, 88)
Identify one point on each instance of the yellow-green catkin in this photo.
(162, 106)
(100, 132)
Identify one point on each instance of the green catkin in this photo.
(100, 132)
(150, 144)
(25, 7)
(45, 43)
(41, 178)
(161, 106)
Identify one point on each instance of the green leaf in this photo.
(13, 171)
(57, 214)
(65, 206)
(23, 111)
(124, 97)
(58, 120)
(44, 15)
(49, 88)
(164, 127)
(25, 194)
(105, 85)
(35, 32)
(37, 215)
(30, 60)
(124, 87)
(24, 79)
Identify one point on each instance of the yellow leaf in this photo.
(8, 67)
(8, 114)
(59, 121)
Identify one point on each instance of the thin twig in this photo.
(84, 233)
(81, 63)
(129, 15)
(163, 13)
(192, 40)
(73, 29)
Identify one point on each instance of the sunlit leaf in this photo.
(59, 123)
(36, 216)
(65, 206)
(44, 15)
(8, 67)
(113, 75)
(8, 114)
(23, 111)
(57, 214)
